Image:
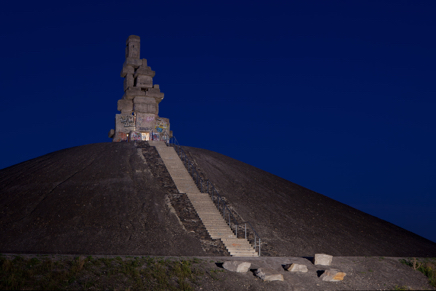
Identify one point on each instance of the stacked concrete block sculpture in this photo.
(139, 107)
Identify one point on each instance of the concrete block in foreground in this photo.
(323, 259)
(268, 275)
(236, 266)
(296, 268)
(333, 275)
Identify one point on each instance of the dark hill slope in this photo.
(107, 199)
(92, 199)
(295, 221)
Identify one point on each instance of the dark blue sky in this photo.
(337, 96)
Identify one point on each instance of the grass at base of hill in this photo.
(67, 273)
(426, 266)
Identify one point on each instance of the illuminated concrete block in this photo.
(143, 81)
(145, 122)
(125, 106)
(120, 136)
(132, 93)
(135, 136)
(155, 93)
(124, 123)
(127, 70)
(133, 47)
(132, 62)
(128, 81)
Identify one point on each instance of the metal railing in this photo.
(205, 186)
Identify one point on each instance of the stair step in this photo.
(233, 252)
(242, 249)
(203, 204)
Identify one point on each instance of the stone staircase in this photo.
(203, 204)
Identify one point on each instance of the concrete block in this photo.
(111, 133)
(236, 266)
(127, 70)
(144, 62)
(268, 275)
(120, 136)
(125, 106)
(124, 123)
(143, 81)
(145, 108)
(323, 259)
(296, 268)
(135, 136)
(162, 125)
(145, 122)
(333, 275)
(145, 71)
(132, 62)
(133, 47)
(132, 93)
(128, 81)
(148, 100)
(155, 92)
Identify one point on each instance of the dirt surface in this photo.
(295, 221)
(362, 273)
(95, 199)
(115, 198)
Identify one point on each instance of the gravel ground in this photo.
(362, 273)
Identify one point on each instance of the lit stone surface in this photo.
(323, 259)
(296, 268)
(236, 266)
(333, 275)
(268, 275)
(125, 106)
(124, 123)
(139, 106)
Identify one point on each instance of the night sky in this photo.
(336, 96)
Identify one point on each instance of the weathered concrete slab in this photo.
(323, 259)
(128, 81)
(145, 121)
(144, 81)
(125, 106)
(144, 71)
(132, 62)
(133, 47)
(149, 108)
(155, 92)
(127, 70)
(124, 123)
(332, 275)
(296, 268)
(133, 92)
(237, 266)
(268, 275)
(120, 136)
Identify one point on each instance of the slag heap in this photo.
(139, 119)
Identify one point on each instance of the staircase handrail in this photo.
(190, 166)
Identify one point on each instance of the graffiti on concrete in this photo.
(165, 137)
(160, 123)
(155, 136)
(145, 129)
(162, 128)
(120, 136)
(135, 136)
(127, 120)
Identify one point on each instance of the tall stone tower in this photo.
(139, 119)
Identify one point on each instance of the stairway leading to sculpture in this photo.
(203, 204)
